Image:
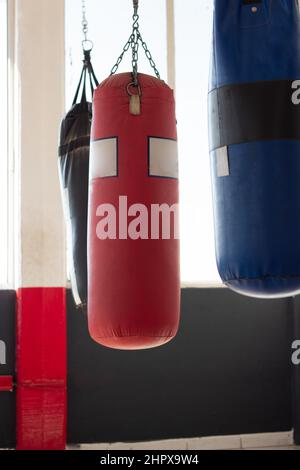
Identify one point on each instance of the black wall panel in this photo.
(7, 337)
(228, 372)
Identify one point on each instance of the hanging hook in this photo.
(87, 45)
(134, 41)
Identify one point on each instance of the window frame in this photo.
(171, 63)
(171, 79)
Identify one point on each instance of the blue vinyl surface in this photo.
(257, 207)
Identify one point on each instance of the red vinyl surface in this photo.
(6, 383)
(134, 285)
(41, 369)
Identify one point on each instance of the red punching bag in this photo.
(133, 240)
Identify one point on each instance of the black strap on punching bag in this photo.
(74, 176)
(251, 112)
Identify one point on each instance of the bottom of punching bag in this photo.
(265, 288)
(132, 343)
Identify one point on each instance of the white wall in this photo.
(39, 60)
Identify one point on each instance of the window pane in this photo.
(109, 28)
(4, 147)
(110, 25)
(193, 27)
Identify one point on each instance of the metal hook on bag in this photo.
(134, 85)
(87, 44)
(135, 98)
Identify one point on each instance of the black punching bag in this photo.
(74, 178)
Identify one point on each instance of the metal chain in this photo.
(134, 41)
(135, 5)
(135, 46)
(149, 56)
(85, 24)
(120, 58)
(87, 44)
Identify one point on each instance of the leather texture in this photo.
(271, 113)
(74, 155)
(74, 177)
(134, 285)
(257, 206)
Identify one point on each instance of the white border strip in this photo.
(163, 157)
(238, 442)
(104, 158)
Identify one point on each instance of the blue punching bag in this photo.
(254, 121)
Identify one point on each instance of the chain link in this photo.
(135, 46)
(120, 58)
(134, 41)
(85, 24)
(149, 56)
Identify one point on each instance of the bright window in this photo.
(110, 24)
(193, 32)
(4, 167)
(109, 28)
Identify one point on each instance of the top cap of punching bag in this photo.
(253, 45)
(115, 85)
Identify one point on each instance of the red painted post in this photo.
(41, 369)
